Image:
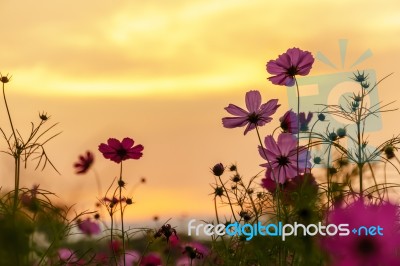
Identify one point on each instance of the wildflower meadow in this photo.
(319, 194)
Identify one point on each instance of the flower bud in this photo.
(218, 169)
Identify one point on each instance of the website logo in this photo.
(279, 230)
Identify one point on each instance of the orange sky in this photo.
(161, 72)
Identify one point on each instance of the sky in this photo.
(161, 72)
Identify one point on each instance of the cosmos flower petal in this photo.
(236, 110)
(271, 144)
(127, 143)
(253, 101)
(250, 126)
(287, 142)
(269, 108)
(232, 122)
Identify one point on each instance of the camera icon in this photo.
(336, 89)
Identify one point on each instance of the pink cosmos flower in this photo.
(173, 241)
(294, 62)
(131, 258)
(68, 257)
(84, 163)
(257, 115)
(358, 248)
(151, 259)
(88, 227)
(289, 122)
(119, 151)
(282, 158)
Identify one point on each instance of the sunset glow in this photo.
(161, 72)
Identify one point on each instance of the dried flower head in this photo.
(43, 116)
(218, 169)
(360, 77)
(5, 79)
(167, 231)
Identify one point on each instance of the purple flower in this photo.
(119, 151)
(257, 115)
(84, 163)
(288, 65)
(67, 255)
(364, 249)
(131, 258)
(289, 122)
(88, 227)
(282, 157)
(304, 121)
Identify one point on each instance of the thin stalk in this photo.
(122, 213)
(17, 164)
(9, 117)
(229, 199)
(360, 162)
(298, 125)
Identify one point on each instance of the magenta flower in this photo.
(88, 227)
(119, 151)
(131, 258)
(67, 256)
(282, 157)
(289, 122)
(288, 65)
(358, 248)
(151, 259)
(84, 163)
(257, 115)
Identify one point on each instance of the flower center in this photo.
(253, 118)
(121, 153)
(292, 71)
(366, 246)
(283, 160)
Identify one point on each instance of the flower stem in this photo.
(122, 214)
(16, 154)
(229, 199)
(298, 125)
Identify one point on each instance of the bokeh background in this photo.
(161, 72)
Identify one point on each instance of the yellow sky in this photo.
(161, 72)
